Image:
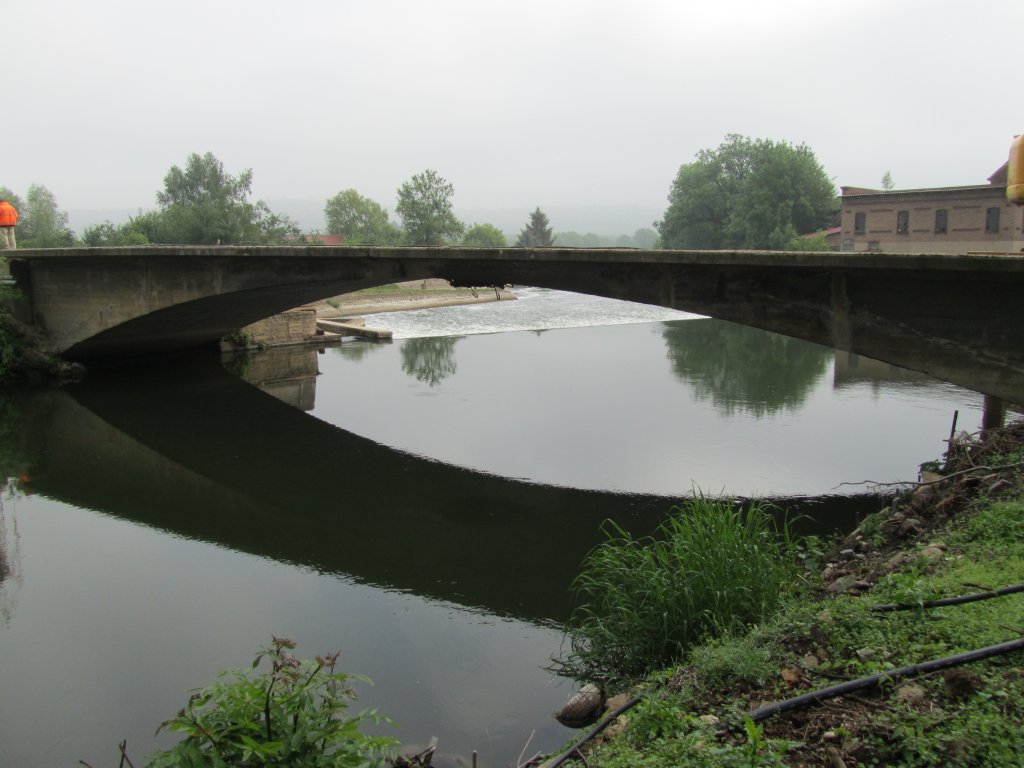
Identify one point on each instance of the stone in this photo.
(708, 719)
(932, 553)
(843, 584)
(911, 695)
(810, 661)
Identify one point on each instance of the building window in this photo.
(874, 245)
(941, 221)
(848, 245)
(859, 223)
(992, 221)
(902, 222)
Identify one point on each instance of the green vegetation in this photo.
(695, 713)
(41, 223)
(360, 220)
(747, 194)
(484, 236)
(293, 714)
(709, 570)
(537, 232)
(425, 207)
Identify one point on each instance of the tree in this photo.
(747, 194)
(484, 236)
(360, 220)
(887, 182)
(536, 234)
(425, 207)
(41, 223)
(204, 205)
(106, 234)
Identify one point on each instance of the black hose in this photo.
(823, 694)
(814, 697)
(593, 732)
(949, 600)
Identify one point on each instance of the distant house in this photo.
(832, 237)
(318, 239)
(943, 220)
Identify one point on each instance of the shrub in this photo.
(710, 569)
(293, 714)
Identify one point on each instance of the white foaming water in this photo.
(535, 309)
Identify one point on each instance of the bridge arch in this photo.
(958, 318)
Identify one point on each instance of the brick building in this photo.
(944, 220)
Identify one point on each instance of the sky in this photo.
(517, 104)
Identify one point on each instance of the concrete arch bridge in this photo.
(958, 318)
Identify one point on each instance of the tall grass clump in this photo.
(711, 568)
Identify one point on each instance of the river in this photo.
(421, 506)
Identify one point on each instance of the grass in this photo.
(974, 717)
(709, 570)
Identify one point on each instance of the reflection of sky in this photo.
(601, 408)
(116, 622)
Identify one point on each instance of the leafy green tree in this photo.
(484, 236)
(645, 238)
(425, 207)
(41, 223)
(537, 233)
(360, 220)
(106, 234)
(202, 204)
(747, 194)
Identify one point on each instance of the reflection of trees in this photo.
(743, 368)
(431, 360)
(356, 351)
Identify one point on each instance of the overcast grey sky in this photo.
(516, 103)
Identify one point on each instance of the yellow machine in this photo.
(1015, 172)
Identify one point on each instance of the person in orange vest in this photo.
(8, 218)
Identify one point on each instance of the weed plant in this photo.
(710, 569)
(293, 714)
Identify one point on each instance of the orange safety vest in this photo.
(8, 214)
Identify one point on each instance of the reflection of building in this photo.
(942, 220)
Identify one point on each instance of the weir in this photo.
(957, 318)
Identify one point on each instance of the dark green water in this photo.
(421, 506)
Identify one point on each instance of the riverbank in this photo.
(960, 531)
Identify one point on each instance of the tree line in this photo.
(746, 194)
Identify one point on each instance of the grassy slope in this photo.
(967, 537)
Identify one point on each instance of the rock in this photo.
(843, 584)
(583, 708)
(911, 695)
(896, 561)
(999, 485)
(708, 720)
(615, 702)
(793, 676)
(616, 728)
(810, 661)
(932, 553)
(835, 760)
(866, 654)
(911, 526)
(846, 554)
